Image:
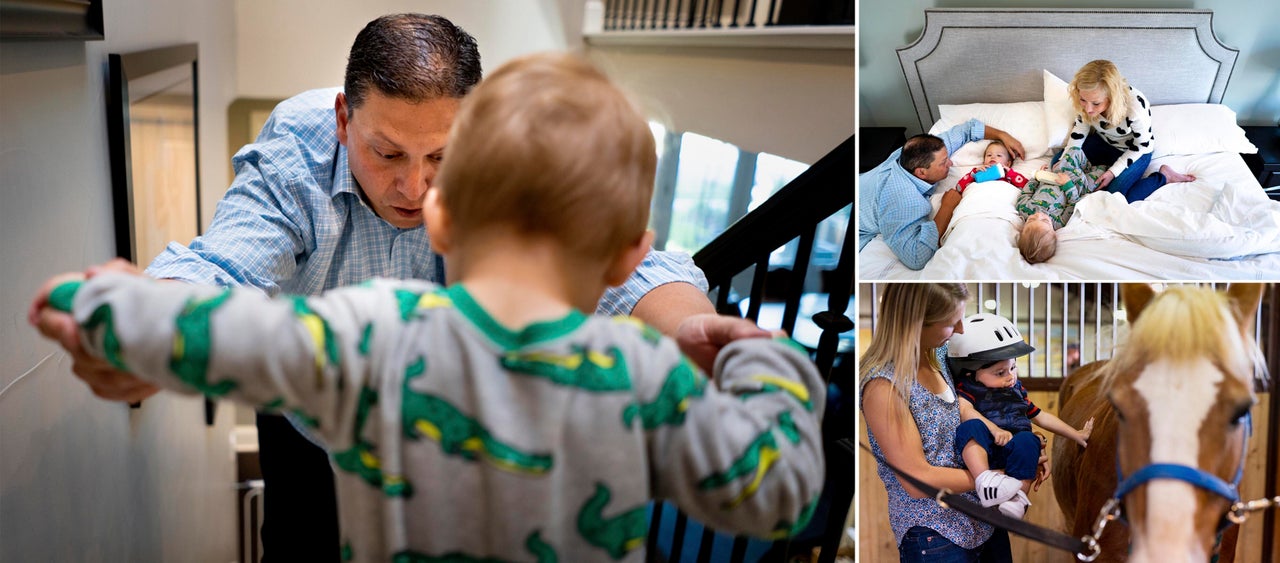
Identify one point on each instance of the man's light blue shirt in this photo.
(293, 222)
(894, 204)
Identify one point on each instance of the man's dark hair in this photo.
(413, 57)
(918, 152)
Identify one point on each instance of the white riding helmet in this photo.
(987, 338)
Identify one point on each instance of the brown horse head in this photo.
(1181, 388)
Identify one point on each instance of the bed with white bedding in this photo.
(1221, 226)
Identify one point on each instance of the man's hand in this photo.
(1015, 147)
(951, 198)
(1106, 178)
(104, 379)
(702, 336)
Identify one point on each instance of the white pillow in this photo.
(1059, 113)
(1197, 129)
(1023, 120)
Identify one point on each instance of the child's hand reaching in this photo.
(1082, 435)
(1002, 436)
(104, 379)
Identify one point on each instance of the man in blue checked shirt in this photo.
(330, 194)
(894, 196)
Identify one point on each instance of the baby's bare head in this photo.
(1038, 241)
(997, 153)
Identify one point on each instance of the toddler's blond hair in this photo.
(1037, 245)
(548, 146)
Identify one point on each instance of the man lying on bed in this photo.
(895, 195)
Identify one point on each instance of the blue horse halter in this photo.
(1195, 476)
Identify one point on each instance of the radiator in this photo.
(251, 521)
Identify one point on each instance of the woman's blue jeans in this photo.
(923, 545)
(1129, 183)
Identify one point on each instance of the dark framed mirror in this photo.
(152, 121)
(153, 125)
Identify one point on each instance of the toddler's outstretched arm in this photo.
(742, 453)
(289, 354)
(1057, 426)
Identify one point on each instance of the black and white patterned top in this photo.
(1133, 136)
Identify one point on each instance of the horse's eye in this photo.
(1239, 415)
(1114, 408)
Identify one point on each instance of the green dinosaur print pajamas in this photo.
(1059, 202)
(454, 438)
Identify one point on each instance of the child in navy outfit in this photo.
(996, 414)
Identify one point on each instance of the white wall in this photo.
(287, 46)
(794, 103)
(83, 479)
(1247, 25)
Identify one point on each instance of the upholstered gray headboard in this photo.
(995, 55)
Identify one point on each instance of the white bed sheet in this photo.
(1222, 226)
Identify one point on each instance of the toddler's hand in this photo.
(102, 378)
(1002, 436)
(1085, 433)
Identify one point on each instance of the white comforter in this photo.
(1221, 226)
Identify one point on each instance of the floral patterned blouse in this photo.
(937, 420)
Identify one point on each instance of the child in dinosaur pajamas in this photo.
(492, 419)
(1047, 202)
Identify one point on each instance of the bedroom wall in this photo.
(885, 25)
(83, 479)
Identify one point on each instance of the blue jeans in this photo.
(921, 545)
(1129, 183)
(924, 545)
(1019, 457)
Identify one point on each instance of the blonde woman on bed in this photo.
(1048, 200)
(1113, 126)
(911, 410)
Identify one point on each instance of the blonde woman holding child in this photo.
(1113, 126)
(912, 414)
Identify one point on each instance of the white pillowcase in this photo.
(1178, 129)
(1197, 129)
(1024, 120)
(1059, 113)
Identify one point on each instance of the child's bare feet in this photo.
(1173, 177)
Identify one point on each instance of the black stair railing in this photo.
(792, 213)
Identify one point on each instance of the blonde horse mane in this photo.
(1183, 323)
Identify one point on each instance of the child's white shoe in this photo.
(994, 488)
(1016, 507)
